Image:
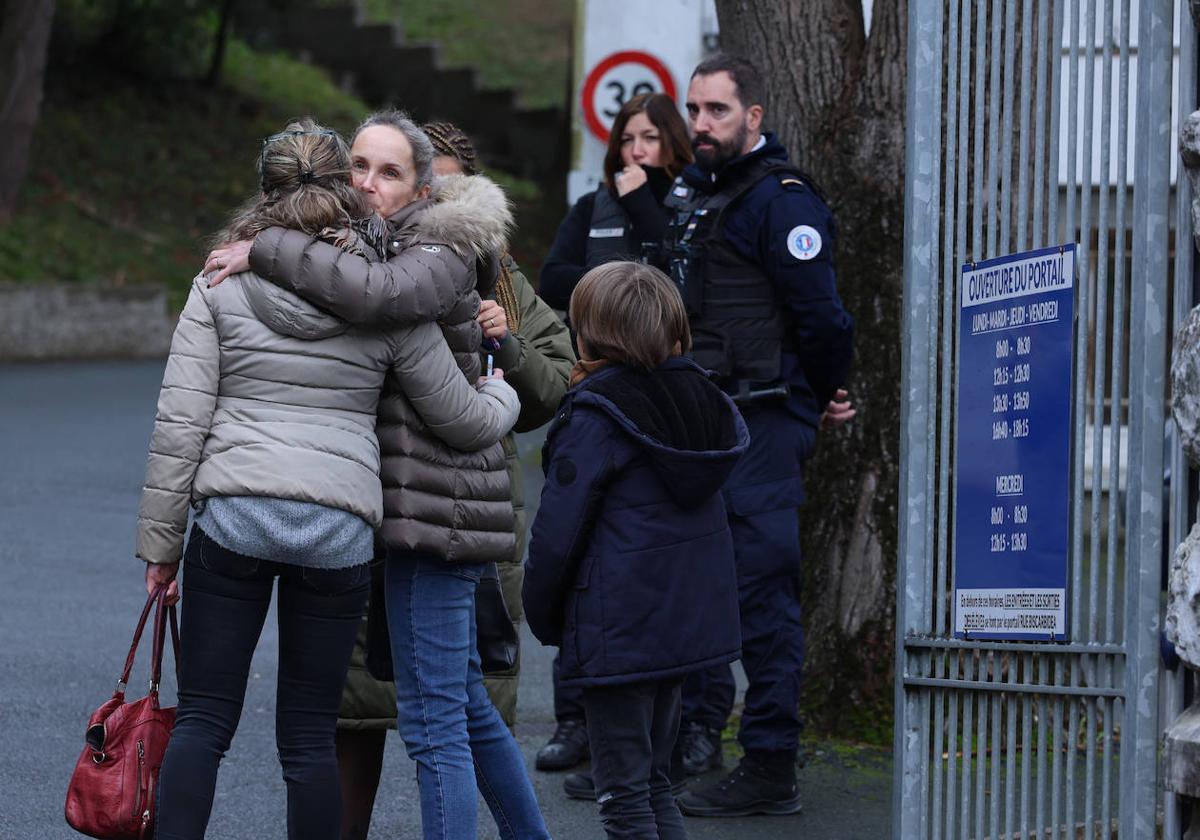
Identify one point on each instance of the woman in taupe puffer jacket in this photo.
(446, 513)
(266, 422)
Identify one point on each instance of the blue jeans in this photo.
(449, 726)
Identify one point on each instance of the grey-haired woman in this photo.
(447, 513)
(266, 423)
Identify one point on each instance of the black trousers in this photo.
(632, 730)
(568, 699)
(225, 600)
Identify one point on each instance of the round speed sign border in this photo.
(624, 57)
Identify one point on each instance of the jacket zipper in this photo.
(147, 828)
(141, 749)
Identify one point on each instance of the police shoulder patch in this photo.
(803, 242)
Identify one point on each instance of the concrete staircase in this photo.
(379, 65)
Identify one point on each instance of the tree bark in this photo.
(836, 100)
(222, 40)
(24, 36)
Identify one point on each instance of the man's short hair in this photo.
(747, 78)
(629, 313)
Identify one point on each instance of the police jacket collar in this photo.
(712, 181)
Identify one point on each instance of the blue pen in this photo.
(489, 365)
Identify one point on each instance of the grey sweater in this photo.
(288, 531)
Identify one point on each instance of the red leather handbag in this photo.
(111, 794)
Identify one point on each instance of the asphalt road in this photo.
(72, 450)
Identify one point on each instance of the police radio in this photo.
(684, 258)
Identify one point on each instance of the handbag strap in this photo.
(162, 615)
(137, 637)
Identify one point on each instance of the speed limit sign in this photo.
(617, 79)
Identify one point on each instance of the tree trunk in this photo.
(222, 40)
(836, 99)
(24, 35)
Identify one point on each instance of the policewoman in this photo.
(647, 148)
(750, 246)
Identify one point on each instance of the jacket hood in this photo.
(686, 425)
(467, 212)
(286, 312)
(703, 179)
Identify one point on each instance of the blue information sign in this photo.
(1013, 448)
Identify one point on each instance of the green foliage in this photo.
(290, 87)
(129, 180)
(522, 44)
(151, 38)
(126, 183)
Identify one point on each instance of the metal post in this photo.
(1148, 320)
(1184, 258)
(923, 107)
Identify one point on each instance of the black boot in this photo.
(763, 783)
(579, 786)
(699, 748)
(567, 747)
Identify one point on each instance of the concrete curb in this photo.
(64, 321)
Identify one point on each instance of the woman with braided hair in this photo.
(536, 355)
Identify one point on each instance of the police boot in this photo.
(699, 748)
(763, 783)
(567, 747)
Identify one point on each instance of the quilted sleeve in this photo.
(462, 416)
(186, 404)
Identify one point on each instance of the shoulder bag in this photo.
(111, 794)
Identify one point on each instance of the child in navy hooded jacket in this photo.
(630, 569)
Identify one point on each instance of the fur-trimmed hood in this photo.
(469, 213)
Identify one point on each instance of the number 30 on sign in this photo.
(617, 79)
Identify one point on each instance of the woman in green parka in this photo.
(536, 355)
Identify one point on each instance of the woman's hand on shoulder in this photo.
(158, 574)
(227, 259)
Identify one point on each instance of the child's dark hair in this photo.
(630, 313)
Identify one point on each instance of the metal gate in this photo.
(1032, 123)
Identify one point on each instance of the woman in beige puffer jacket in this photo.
(266, 422)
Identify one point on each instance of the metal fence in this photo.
(1032, 123)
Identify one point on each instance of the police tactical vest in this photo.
(608, 234)
(737, 322)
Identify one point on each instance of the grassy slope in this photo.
(523, 44)
(129, 179)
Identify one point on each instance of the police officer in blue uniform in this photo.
(750, 246)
